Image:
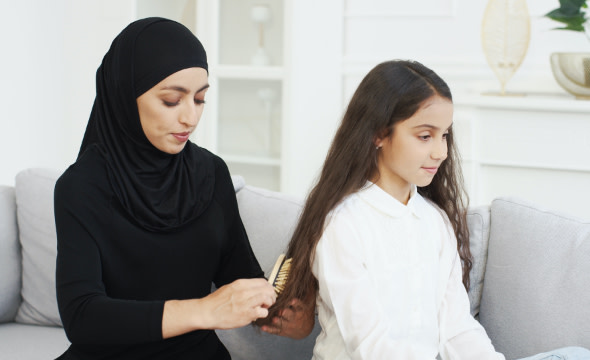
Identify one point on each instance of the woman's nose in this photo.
(190, 115)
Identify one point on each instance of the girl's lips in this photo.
(431, 170)
(182, 137)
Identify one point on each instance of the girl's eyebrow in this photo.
(429, 126)
(184, 90)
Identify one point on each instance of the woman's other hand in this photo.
(295, 322)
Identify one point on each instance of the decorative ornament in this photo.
(505, 36)
(260, 14)
(572, 73)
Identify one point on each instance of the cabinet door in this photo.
(244, 115)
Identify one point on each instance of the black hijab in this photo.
(159, 190)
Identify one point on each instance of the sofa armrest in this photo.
(10, 256)
(478, 221)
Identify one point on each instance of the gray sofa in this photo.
(530, 281)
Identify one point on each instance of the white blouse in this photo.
(390, 284)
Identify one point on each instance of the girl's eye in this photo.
(199, 101)
(445, 135)
(424, 137)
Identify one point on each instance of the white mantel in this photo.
(535, 146)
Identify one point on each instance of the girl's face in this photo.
(170, 111)
(415, 149)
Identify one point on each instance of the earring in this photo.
(377, 147)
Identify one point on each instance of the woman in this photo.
(146, 220)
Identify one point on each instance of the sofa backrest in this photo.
(10, 258)
(269, 218)
(536, 294)
(31, 254)
(36, 224)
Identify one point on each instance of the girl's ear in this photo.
(380, 138)
(378, 142)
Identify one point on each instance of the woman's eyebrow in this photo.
(206, 86)
(184, 90)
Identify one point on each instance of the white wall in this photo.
(508, 150)
(50, 53)
(30, 113)
(446, 35)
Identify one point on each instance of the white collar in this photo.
(384, 202)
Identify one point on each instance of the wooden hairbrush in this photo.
(280, 273)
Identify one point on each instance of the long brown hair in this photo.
(391, 92)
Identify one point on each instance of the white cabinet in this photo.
(536, 147)
(244, 116)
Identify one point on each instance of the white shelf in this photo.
(525, 165)
(251, 160)
(247, 72)
(562, 102)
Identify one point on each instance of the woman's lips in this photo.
(182, 137)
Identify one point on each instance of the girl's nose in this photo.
(440, 151)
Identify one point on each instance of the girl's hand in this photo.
(295, 322)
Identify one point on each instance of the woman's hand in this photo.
(295, 322)
(231, 306)
(239, 303)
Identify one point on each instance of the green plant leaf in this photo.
(571, 7)
(558, 15)
(569, 13)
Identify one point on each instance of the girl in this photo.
(383, 240)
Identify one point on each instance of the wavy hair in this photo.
(391, 92)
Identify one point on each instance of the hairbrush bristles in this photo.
(280, 273)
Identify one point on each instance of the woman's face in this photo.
(170, 111)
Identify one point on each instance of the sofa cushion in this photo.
(10, 258)
(31, 342)
(34, 202)
(269, 218)
(535, 295)
(478, 221)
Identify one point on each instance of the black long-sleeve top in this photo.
(113, 276)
